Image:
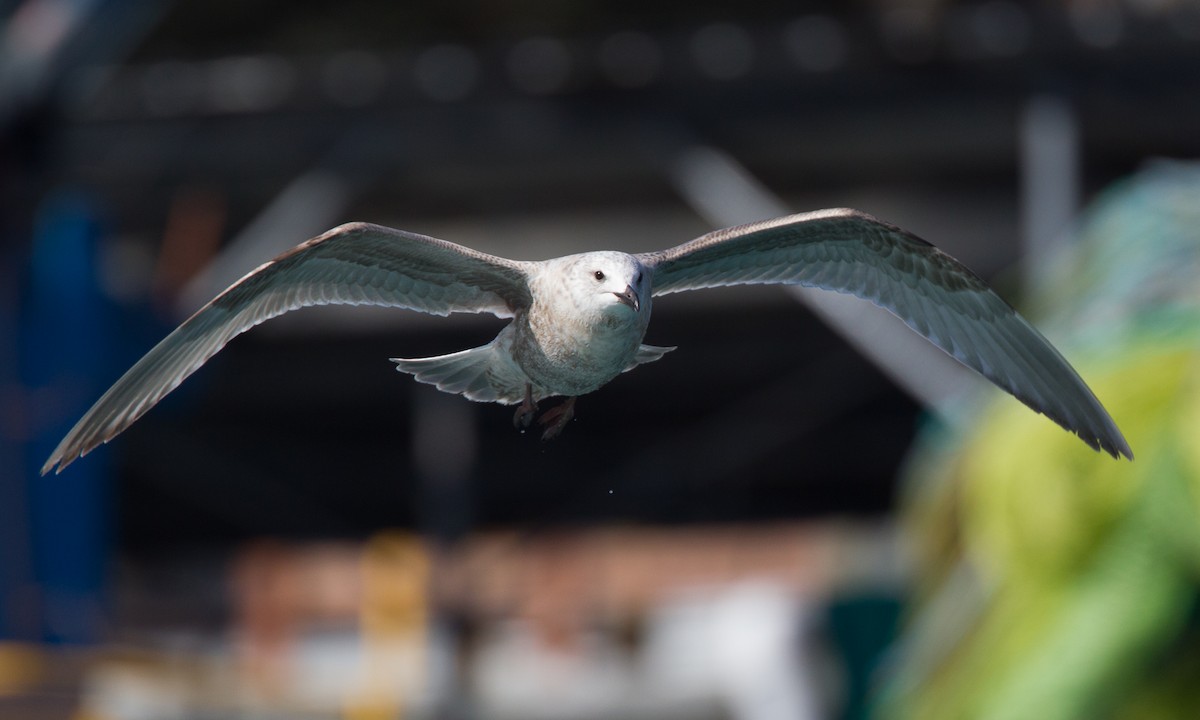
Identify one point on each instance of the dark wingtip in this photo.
(63, 456)
(1116, 446)
(57, 462)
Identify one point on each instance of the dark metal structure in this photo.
(527, 130)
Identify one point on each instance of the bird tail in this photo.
(469, 373)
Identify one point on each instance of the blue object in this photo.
(65, 347)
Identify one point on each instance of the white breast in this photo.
(567, 347)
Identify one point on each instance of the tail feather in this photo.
(467, 373)
(486, 374)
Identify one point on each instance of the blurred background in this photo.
(798, 514)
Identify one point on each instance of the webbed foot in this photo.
(556, 418)
(526, 411)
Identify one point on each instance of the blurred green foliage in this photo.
(1054, 582)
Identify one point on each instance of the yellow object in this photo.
(22, 667)
(394, 617)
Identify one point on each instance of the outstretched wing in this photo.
(851, 252)
(353, 264)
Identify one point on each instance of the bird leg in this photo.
(526, 411)
(556, 418)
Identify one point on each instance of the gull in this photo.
(578, 321)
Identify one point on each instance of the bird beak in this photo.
(629, 297)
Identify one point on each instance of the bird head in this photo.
(612, 283)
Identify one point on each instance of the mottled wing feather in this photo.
(851, 252)
(354, 264)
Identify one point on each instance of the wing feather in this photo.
(851, 252)
(353, 264)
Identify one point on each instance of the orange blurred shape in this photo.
(21, 667)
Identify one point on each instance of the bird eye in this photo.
(599, 275)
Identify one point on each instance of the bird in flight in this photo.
(578, 320)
